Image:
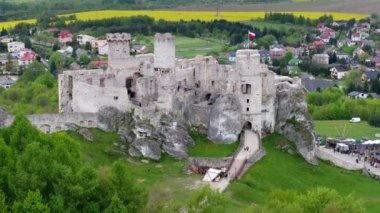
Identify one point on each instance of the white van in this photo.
(355, 120)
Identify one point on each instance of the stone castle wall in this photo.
(159, 82)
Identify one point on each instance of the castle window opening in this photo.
(102, 82)
(208, 97)
(115, 98)
(70, 87)
(212, 83)
(128, 83)
(198, 84)
(247, 101)
(89, 81)
(247, 109)
(246, 89)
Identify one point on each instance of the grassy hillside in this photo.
(281, 170)
(165, 180)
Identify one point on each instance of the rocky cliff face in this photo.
(224, 125)
(144, 139)
(293, 119)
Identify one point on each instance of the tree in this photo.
(133, 197)
(56, 62)
(84, 59)
(266, 41)
(9, 64)
(32, 71)
(116, 206)
(88, 46)
(316, 200)
(207, 200)
(33, 203)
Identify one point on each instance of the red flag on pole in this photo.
(251, 34)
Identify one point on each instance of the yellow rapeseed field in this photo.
(188, 15)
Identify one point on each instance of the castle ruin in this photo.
(160, 83)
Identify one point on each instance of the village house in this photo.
(375, 61)
(83, 39)
(357, 95)
(277, 51)
(5, 39)
(101, 64)
(377, 52)
(3, 60)
(356, 37)
(338, 71)
(342, 56)
(95, 44)
(6, 81)
(103, 50)
(66, 50)
(15, 46)
(301, 52)
(345, 42)
(27, 59)
(141, 49)
(320, 59)
(377, 32)
(264, 56)
(65, 36)
(369, 75)
(319, 43)
(339, 24)
(314, 85)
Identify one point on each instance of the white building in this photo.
(15, 46)
(83, 39)
(320, 59)
(103, 50)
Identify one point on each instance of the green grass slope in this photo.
(281, 170)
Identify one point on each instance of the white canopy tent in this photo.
(211, 175)
(375, 142)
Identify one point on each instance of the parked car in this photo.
(355, 120)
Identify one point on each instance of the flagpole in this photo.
(248, 40)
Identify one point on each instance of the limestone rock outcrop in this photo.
(294, 121)
(144, 139)
(224, 125)
(175, 137)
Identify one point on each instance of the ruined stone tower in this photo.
(119, 50)
(248, 65)
(164, 66)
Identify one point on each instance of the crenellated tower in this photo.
(250, 95)
(119, 50)
(164, 66)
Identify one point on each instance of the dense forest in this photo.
(10, 10)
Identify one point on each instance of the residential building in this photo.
(15, 46)
(313, 85)
(264, 56)
(103, 49)
(5, 39)
(342, 56)
(277, 51)
(357, 95)
(320, 59)
(369, 75)
(6, 82)
(97, 43)
(338, 71)
(83, 39)
(27, 59)
(65, 36)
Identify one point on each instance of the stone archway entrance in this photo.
(247, 126)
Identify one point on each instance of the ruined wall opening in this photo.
(102, 82)
(128, 84)
(208, 97)
(70, 84)
(247, 125)
(246, 89)
(198, 84)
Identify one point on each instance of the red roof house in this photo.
(319, 43)
(65, 36)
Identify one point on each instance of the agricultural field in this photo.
(191, 47)
(338, 128)
(187, 15)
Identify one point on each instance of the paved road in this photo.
(251, 146)
(349, 159)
